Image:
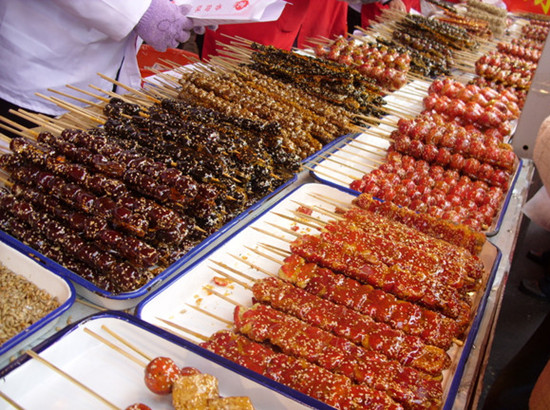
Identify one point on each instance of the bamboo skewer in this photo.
(37, 120)
(206, 312)
(128, 88)
(334, 155)
(224, 297)
(75, 109)
(115, 347)
(336, 171)
(183, 329)
(88, 93)
(10, 401)
(13, 130)
(17, 128)
(70, 378)
(74, 97)
(344, 150)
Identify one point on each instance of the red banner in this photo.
(529, 6)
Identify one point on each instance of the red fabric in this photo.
(370, 11)
(327, 18)
(528, 6)
(300, 20)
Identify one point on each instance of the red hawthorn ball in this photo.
(160, 375)
(138, 406)
(189, 371)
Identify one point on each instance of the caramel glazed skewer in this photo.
(278, 261)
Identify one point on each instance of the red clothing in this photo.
(370, 11)
(528, 6)
(300, 20)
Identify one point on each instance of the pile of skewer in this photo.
(334, 306)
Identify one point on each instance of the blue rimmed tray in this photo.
(117, 378)
(184, 300)
(43, 278)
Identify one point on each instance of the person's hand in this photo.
(165, 25)
(398, 5)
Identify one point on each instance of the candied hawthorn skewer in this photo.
(405, 385)
(102, 145)
(135, 250)
(378, 249)
(124, 275)
(40, 243)
(433, 154)
(433, 130)
(433, 327)
(333, 389)
(446, 252)
(432, 190)
(404, 284)
(139, 181)
(459, 235)
(345, 322)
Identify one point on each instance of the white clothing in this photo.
(51, 43)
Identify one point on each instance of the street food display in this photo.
(186, 201)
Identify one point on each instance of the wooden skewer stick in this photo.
(320, 172)
(219, 272)
(320, 163)
(74, 97)
(5, 138)
(271, 234)
(126, 343)
(73, 108)
(5, 181)
(265, 255)
(206, 312)
(290, 218)
(10, 401)
(115, 347)
(70, 378)
(160, 89)
(334, 158)
(17, 128)
(317, 208)
(183, 329)
(282, 252)
(229, 268)
(224, 297)
(88, 93)
(252, 265)
(378, 154)
(37, 120)
(128, 88)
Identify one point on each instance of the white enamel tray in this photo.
(44, 279)
(118, 379)
(199, 299)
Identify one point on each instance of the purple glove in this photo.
(164, 25)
